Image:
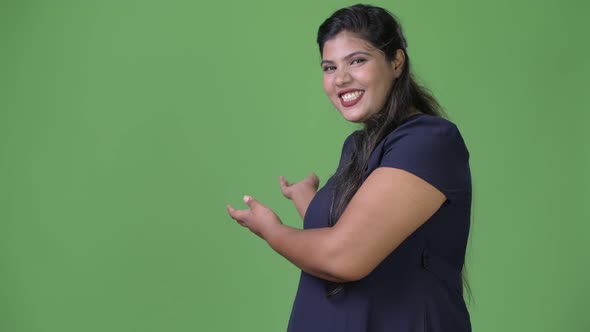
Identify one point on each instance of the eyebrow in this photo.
(347, 57)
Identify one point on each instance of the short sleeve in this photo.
(432, 149)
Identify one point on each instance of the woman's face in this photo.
(357, 76)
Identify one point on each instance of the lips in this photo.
(350, 97)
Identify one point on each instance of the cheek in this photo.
(366, 78)
(327, 84)
(382, 83)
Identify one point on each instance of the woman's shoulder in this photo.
(418, 124)
(426, 124)
(426, 131)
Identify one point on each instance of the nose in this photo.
(342, 77)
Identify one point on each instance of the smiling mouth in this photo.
(350, 98)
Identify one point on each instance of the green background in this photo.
(127, 126)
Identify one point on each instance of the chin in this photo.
(354, 120)
(352, 117)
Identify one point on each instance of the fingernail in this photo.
(247, 198)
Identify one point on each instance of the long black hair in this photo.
(381, 29)
(378, 27)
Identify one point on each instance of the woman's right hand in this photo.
(311, 182)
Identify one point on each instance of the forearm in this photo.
(310, 249)
(302, 199)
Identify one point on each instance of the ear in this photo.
(397, 64)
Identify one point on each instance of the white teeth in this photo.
(350, 96)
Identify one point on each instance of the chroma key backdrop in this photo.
(127, 126)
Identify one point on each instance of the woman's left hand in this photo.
(259, 219)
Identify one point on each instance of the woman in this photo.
(384, 240)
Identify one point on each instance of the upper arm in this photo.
(389, 206)
(418, 171)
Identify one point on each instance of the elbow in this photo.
(348, 272)
(346, 267)
(353, 275)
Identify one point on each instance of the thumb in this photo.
(313, 178)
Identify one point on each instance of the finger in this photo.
(230, 210)
(284, 183)
(314, 178)
(232, 213)
(237, 214)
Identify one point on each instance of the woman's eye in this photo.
(359, 60)
(329, 68)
